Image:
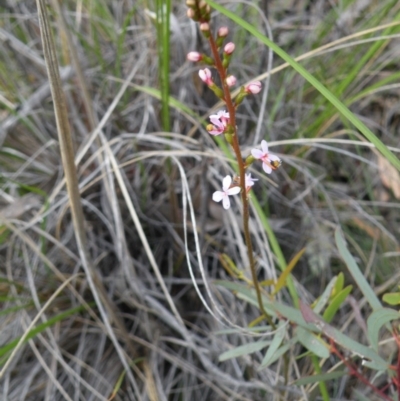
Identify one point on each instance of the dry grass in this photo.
(134, 180)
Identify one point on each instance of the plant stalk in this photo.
(236, 147)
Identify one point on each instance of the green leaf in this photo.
(356, 273)
(336, 303)
(243, 350)
(312, 342)
(313, 81)
(272, 307)
(392, 298)
(339, 284)
(275, 344)
(324, 298)
(279, 352)
(371, 358)
(319, 378)
(376, 320)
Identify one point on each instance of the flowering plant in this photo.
(224, 122)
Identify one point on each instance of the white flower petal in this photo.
(226, 203)
(217, 196)
(223, 114)
(257, 153)
(274, 158)
(249, 180)
(233, 191)
(226, 182)
(264, 146)
(267, 168)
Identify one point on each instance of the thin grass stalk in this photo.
(163, 10)
(67, 156)
(91, 117)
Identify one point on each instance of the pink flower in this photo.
(226, 192)
(194, 56)
(216, 129)
(253, 87)
(231, 80)
(219, 123)
(205, 76)
(270, 161)
(222, 116)
(249, 181)
(229, 48)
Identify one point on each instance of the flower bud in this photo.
(194, 56)
(191, 3)
(223, 32)
(253, 87)
(231, 80)
(190, 13)
(205, 76)
(229, 48)
(205, 28)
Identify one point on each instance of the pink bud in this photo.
(229, 48)
(204, 27)
(190, 13)
(205, 76)
(223, 32)
(231, 80)
(253, 87)
(194, 56)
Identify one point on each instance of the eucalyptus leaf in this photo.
(375, 322)
(371, 357)
(312, 342)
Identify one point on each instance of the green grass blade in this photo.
(40, 328)
(321, 377)
(163, 10)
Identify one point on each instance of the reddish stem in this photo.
(356, 373)
(235, 144)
